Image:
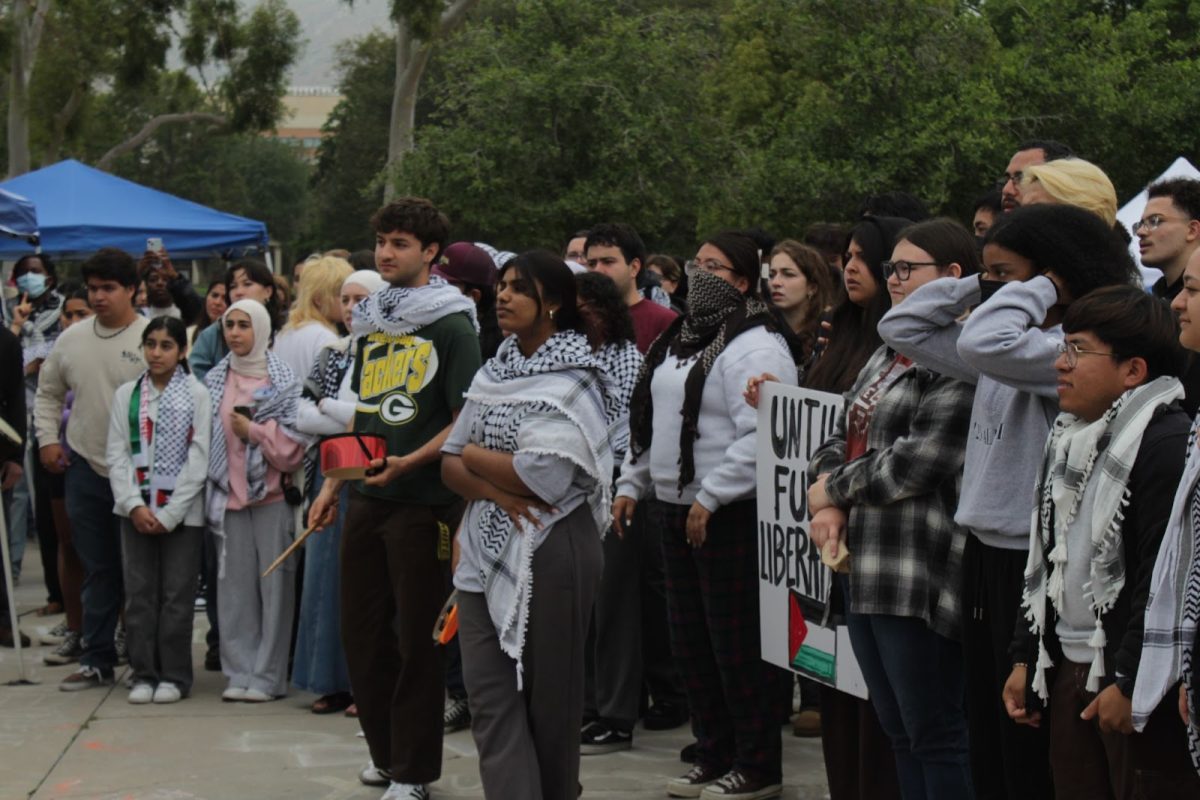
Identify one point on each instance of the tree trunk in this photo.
(412, 56)
(27, 22)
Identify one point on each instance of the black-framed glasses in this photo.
(1151, 222)
(693, 266)
(1015, 177)
(1073, 351)
(903, 269)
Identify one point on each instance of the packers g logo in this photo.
(397, 408)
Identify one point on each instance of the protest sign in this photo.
(793, 583)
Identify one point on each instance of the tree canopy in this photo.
(541, 116)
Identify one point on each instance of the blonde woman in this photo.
(1071, 182)
(312, 322)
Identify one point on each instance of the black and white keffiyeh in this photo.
(1077, 454)
(552, 403)
(717, 313)
(278, 400)
(169, 433)
(43, 326)
(400, 310)
(621, 362)
(1173, 608)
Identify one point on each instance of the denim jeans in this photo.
(96, 533)
(916, 681)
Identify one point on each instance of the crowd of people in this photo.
(571, 464)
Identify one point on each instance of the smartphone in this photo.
(154, 244)
(245, 411)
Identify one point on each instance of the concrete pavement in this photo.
(93, 744)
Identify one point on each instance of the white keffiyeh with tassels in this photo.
(1077, 454)
(400, 310)
(554, 402)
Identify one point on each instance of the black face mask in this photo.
(988, 288)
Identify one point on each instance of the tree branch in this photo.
(453, 16)
(148, 130)
(63, 118)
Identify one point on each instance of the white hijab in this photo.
(254, 363)
(368, 279)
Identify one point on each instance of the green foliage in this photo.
(117, 62)
(563, 113)
(241, 173)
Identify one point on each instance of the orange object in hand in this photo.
(447, 622)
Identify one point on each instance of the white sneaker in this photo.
(167, 692)
(234, 694)
(141, 693)
(406, 791)
(371, 775)
(256, 696)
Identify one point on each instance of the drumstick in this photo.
(291, 549)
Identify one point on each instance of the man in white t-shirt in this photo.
(92, 359)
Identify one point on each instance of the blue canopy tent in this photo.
(81, 209)
(18, 217)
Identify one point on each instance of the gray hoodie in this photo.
(1001, 350)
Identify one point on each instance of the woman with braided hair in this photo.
(695, 461)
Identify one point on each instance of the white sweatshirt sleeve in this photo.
(735, 477)
(121, 476)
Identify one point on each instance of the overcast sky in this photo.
(326, 23)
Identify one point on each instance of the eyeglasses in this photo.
(692, 267)
(1151, 223)
(903, 269)
(1074, 351)
(1015, 177)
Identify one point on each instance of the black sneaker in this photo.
(664, 717)
(212, 659)
(692, 782)
(735, 784)
(599, 738)
(66, 653)
(456, 715)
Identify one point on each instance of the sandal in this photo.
(332, 703)
(352, 711)
(50, 609)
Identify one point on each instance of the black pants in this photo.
(46, 531)
(393, 587)
(1008, 761)
(632, 645)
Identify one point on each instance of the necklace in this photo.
(99, 335)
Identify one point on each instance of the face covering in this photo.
(32, 284)
(988, 288)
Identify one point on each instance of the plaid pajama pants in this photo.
(712, 608)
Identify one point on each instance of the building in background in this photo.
(307, 109)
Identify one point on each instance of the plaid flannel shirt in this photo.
(901, 494)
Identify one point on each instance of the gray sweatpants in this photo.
(161, 571)
(255, 614)
(528, 741)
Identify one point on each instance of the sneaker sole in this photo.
(687, 791)
(601, 749)
(59, 661)
(79, 687)
(766, 793)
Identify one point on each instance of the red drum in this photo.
(347, 456)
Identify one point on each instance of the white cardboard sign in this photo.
(793, 584)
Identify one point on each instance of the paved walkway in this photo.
(93, 744)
